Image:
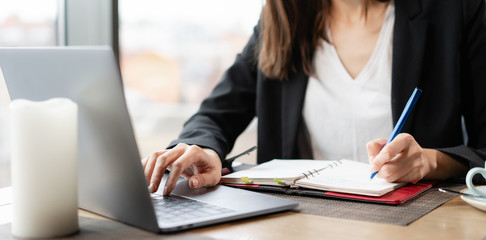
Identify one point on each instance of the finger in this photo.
(206, 174)
(190, 156)
(381, 159)
(159, 170)
(206, 179)
(394, 171)
(163, 162)
(149, 166)
(189, 172)
(402, 142)
(411, 176)
(144, 161)
(406, 168)
(172, 155)
(374, 147)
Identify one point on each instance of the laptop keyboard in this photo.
(175, 208)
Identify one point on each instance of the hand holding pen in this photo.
(400, 158)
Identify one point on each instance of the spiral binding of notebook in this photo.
(330, 165)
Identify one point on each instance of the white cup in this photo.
(469, 183)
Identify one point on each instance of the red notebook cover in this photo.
(394, 197)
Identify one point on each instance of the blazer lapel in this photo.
(409, 40)
(293, 95)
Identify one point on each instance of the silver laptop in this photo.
(111, 178)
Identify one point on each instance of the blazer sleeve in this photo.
(230, 107)
(473, 84)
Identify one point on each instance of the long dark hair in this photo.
(291, 30)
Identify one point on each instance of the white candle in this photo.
(44, 137)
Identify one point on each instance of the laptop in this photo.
(111, 178)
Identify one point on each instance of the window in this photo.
(22, 23)
(28, 23)
(172, 53)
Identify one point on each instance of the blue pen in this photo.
(403, 118)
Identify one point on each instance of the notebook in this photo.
(342, 176)
(111, 178)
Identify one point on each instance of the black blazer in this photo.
(438, 46)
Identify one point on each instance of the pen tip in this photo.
(373, 175)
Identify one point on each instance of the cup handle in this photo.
(469, 178)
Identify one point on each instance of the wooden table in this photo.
(453, 220)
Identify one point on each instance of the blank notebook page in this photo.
(350, 177)
(281, 169)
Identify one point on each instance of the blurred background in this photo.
(171, 54)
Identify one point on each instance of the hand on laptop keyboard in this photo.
(200, 165)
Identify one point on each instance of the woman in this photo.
(325, 77)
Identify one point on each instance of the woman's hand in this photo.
(404, 160)
(201, 166)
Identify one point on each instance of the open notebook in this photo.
(344, 176)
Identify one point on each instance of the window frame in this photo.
(88, 23)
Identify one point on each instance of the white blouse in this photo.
(341, 113)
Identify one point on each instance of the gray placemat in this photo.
(403, 214)
(92, 228)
